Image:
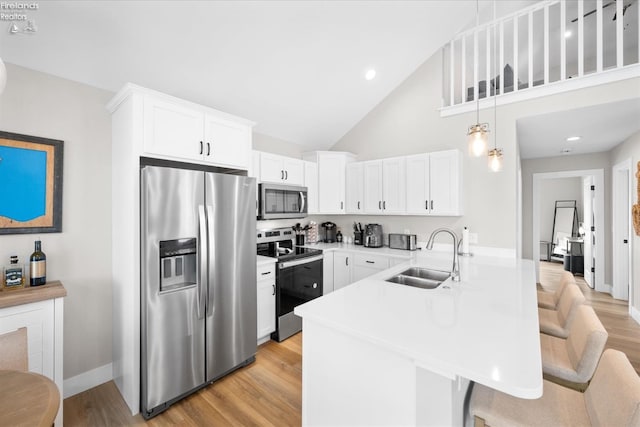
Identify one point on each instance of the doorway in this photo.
(594, 178)
(621, 245)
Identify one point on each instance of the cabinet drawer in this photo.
(267, 272)
(379, 262)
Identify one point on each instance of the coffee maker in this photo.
(330, 229)
(373, 235)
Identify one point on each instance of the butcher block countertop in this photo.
(28, 294)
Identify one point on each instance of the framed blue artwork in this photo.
(30, 184)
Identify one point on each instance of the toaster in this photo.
(403, 241)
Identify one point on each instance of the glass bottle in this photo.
(14, 274)
(38, 266)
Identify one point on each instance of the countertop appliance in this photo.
(198, 279)
(330, 230)
(277, 201)
(298, 277)
(403, 241)
(373, 235)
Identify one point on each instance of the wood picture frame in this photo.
(30, 184)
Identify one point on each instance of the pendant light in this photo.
(495, 154)
(477, 135)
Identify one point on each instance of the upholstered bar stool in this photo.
(572, 361)
(558, 322)
(550, 299)
(612, 399)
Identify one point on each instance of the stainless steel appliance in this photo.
(373, 235)
(277, 201)
(330, 229)
(298, 277)
(403, 241)
(198, 279)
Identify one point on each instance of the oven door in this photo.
(297, 281)
(282, 201)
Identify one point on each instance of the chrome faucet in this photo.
(455, 270)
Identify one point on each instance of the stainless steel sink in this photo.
(424, 278)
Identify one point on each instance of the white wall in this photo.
(42, 105)
(557, 189)
(631, 149)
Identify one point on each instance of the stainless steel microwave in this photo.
(278, 201)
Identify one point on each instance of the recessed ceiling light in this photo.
(573, 138)
(370, 74)
(567, 34)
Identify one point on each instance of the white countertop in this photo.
(484, 328)
(264, 260)
(399, 253)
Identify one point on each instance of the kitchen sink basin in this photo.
(424, 278)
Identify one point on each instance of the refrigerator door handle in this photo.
(212, 259)
(202, 261)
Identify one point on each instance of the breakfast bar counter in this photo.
(383, 353)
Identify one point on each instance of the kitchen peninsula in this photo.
(382, 353)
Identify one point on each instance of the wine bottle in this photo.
(38, 262)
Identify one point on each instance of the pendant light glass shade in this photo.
(495, 160)
(478, 139)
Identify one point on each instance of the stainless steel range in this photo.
(298, 277)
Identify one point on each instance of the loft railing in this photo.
(549, 44)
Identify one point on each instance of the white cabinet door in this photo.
(445, 181)
(393, 186)
(226, 143)
(327, 273)
(311, 182)
(373, 187)
(364, 265)
(271, 168)
(355, 188)
(293, 171)
(173, 130)
(266, 283)
(417, 184)
(331, 183)
(341, 269)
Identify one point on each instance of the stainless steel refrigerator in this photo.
(198, 279)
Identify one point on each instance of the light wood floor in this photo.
(269, 391)
(624, 332)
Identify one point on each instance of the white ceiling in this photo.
(601, 128)
(295, 68)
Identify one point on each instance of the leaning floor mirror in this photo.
(565, 226)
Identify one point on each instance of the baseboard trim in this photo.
(87, 380)
(635, 314)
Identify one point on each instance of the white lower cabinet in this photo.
(341, 269)
(364, 265)
(266, 301)
(327, 272)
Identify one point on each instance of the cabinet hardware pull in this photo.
(346, 260)
(201, 147)
(358, 205)
(426, 205)
(384, 205)
(264, 274)
(370, 262)
(208, 149)
(274, 289)
(379, 204)
(282, 174)
(432, 205)
(341, 205)
(286, 175)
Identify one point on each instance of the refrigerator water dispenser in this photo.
(177, 264)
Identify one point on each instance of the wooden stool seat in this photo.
(27, 399)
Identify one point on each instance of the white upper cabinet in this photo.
(384, 186)
(355, 188)
(281, 169)
(433, 183)
(331, 179)
(311, 182)
(183, 131)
